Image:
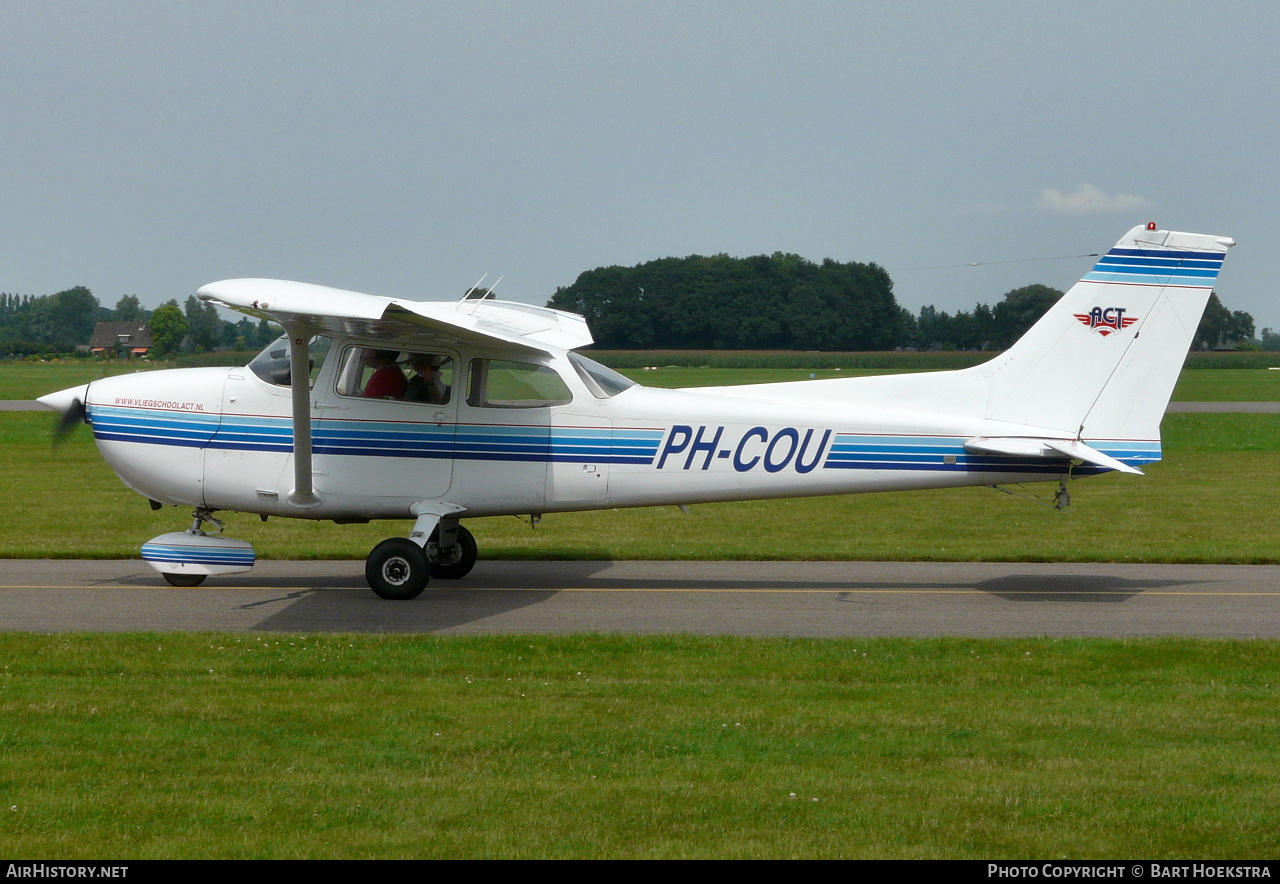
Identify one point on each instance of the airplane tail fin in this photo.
(1102, 362)
(1089, 381)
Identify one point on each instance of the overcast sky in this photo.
(407, 148)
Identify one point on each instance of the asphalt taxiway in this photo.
(817, 599)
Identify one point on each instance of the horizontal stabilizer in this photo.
(1029, 447)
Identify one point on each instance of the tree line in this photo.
(786, 302)
(779, 301)
(62, 322)
(767, 302)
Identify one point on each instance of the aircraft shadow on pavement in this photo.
(342, 601)
(1086, 588)
(330, 610)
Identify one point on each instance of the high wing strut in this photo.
(302, 495)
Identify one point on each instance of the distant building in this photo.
(125, 339)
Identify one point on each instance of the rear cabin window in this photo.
(498, 383)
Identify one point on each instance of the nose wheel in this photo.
(184, 579)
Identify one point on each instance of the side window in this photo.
(404, 375)
(497, 383)
(273, 366)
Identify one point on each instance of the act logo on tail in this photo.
(1105, 320)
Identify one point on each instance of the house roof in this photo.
(108, 335)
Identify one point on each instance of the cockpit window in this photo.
(272, 364)
(499, 383)
(602, 381)
(403, 375)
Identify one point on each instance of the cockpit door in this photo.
(383, 431)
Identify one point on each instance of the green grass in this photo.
(321, 746)
(896, 360)
(28, 380)
(1194, 385)
(1227, 385)
(269, 745)
(1213, 499)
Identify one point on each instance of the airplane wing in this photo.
(507, 324)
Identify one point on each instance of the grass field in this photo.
(315, 746)
(28, 380)
(318, 746)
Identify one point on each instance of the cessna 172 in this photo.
(503, 416)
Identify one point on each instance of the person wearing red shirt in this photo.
(387, 380)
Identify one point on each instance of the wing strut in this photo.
(302, 494)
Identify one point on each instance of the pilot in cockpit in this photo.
(387, 380)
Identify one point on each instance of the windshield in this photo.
(603, 382)
(272, 364)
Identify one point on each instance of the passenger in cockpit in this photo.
(387, 380)
(427, 385)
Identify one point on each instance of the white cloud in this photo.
(1088, 200)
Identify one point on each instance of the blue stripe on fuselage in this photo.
(848, 451)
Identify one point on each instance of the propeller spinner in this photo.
(69, 404)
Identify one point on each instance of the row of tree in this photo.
(61, 322)
(779, 301)
(786, 302)
(996, 328)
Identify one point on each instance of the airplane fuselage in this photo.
(222, 439)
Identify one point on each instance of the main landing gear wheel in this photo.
(456, 561)
(397, 569)
(185, 579)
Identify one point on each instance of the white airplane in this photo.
(503, 416)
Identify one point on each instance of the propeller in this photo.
(69, 404)
(68, 421)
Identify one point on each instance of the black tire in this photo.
(185, 579)
(458, 561)
(397, 569)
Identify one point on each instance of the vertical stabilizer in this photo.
(1102, 363)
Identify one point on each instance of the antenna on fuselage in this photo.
(471, 291)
